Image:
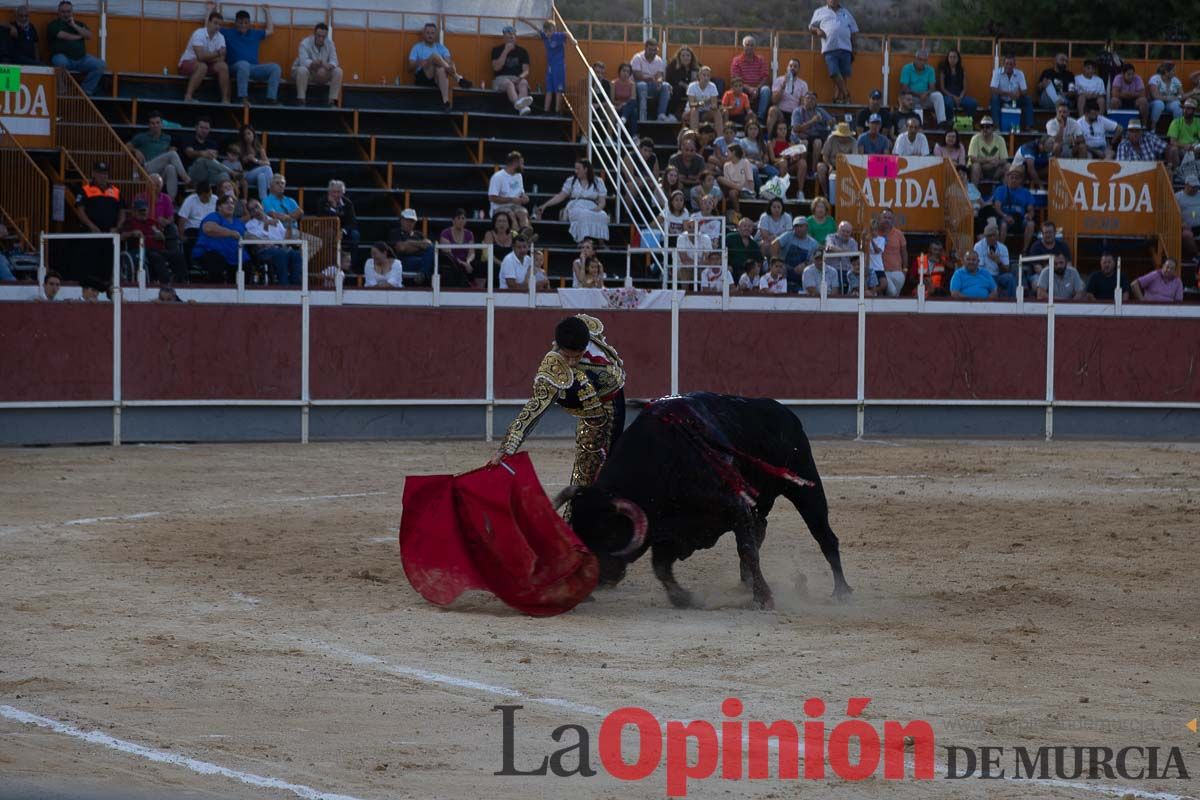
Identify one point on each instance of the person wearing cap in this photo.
(1008, 87)
(510, 64)
(1188, 199)
(317, 62)
(873, 142)
(796, 248)
(164, 265)
(1102, 285)
(1129, 91)
(242, 43)
(875, 106)
(787, 93)
(68, 39)
(100, 208)
(1140, 144)
(1066, 132)
(432, 66)
(912, 142)
(838, 32)
(1012, 205)
(840, 143)
(971, 282)
(1184, 133)
(993, 257)
(205, 53)
(1163, 285)
(1098, 132)
(413, 249)
(987, 155)
(920, 79)
(1166, 93)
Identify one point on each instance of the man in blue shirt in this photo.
(971, 282)
(1014, 206)
(241, 54)
(796, 248)
(432, 66)
(873, 142)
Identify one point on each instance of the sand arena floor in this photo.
(243, 607)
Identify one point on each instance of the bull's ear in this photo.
(565, 495)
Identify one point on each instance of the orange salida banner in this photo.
(912, 187)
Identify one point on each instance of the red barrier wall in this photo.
(763, 354)
(188, 351)
(397, 353)
(1131, 360)
(959, 357)
(55, 351)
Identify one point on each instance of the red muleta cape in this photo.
(493, 529)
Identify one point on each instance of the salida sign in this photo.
(1108, 197)
(913, 187)
(28, 111)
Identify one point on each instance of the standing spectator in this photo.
(1166, 93)
(337, 204)
(317, 62)
(514, 272)
(68, 47)
(460, 260)
(920, 79)
(873, 142)
(624, 96)
(506, 190)
(912, 142)
(840, 143)
(283, 261)
(165, 265)
(383, 269)
(432, 66)
(216, 250)
(155, 151)
(838, 31)
(1068, 285)
(1067, 133)
(1139, 144)
(687, 163)
(971, 282)
(755, 74)
(201, 156)
(98, 205)
(555, 42)
(1056, 83)
(23, 43)
(412, 248)
(1184, 133)
(1129, 91)
(241, 53)
(1160, 286)
(1189, 208)
(821, 223)
(987, 153)
(1096, 132)
(192, 212)
(256, 165)
(952, 80)
(702, 101)
(797, 250)
(735, 103)
(787, 93)
(950, 147)
(205, 52)
(993, 256)
(682, 71)
(1090, 88)
(586, 196)
(500, 237)
(510, 64)
(650, 71)
(1009, 88)
(811, 125)
(283, 208)
(895, 253)
(875, 106)
(1102, 285)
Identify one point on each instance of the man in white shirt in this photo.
(283, 261)
(205, 53)
(1066, 132)
(649, 70)
(318, 63)
(1096, 130)
(912, 142)
(1010, 89)
(506, 190)
(1089, 87)
(838, 31)
(693, 250)
(775, 281)
(993, 256)
(514, 269)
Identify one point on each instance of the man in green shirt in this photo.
(740, 247)
(68, 49)
(154, 150)
(1184, 134)
(987, 154)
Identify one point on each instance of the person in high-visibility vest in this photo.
(935, 269)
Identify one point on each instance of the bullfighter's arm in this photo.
(553, 374)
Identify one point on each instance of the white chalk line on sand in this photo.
(117, 518)
(310, 498)
(174, 759)
(441, 679)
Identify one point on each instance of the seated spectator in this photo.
(1096, 132)
(1049, 243)
(623, 92)
(164, 265)
(772, 223)
(1068, 285)
(842, 242)
(6, 273)
(506, 190)
(821, 222)
(510, 65)
(906, 109)
(232, 161)
(755, 74)
(337, 204)
(1056, 84)
(194, 209)
(708, 219)
(256, 166)
(1012, 206)
(154, 150)
(383, 269)
(912, 142)
(993, 257)
(1129, 92)
(720, 152)
(703, 102)
(1163, 285)
(241, 54)
(840, 143)
(873, 142)
(735, 103)
(458, 261)
(166, 294)
(738, 177)
(952, 81)
(220, 237)
(593, 275)
(920, 79)
(1034, 158)
(875, 106)
(1067, 133)
(1192, 92)
(811, 125)
(693, 251)
(741, 245)
(649, 70)
(432, 66)
(51, 285)
(317, 62)
(1140, 144)
(1166, 93)
(201, 156)
(987, 154)
(687, 163)
(936, 269)
(748, 282)
(411, 247)
(500, 237)
(706, 186)
(1189, 209)
(283, 208)
(1009, 89)
(21, 38)
(284, 262)
(1090, 88)
(514, 272)
(676, 215)
(971, 282)
(682, 72)
(1184, 134)
(585, 195)
(601, 70)
(818, 273)
(754, 148)
(775, 281)
(228, 188)
(714, 277)
(1102, 285)
(205, 53)
(787, 93)
(587, 251)
(790, 164)
(797, 249)
(90, 288)
(950, 147)
(68, 39)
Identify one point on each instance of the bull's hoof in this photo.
(842, 593)
(764, 603)
(680, 598)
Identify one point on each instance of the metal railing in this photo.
(86, 138)
(325, 238)
(24, 191)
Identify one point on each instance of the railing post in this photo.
(240, 280)
(305, 354)
(887, 68)
(116, 301)
(1118, 301)
(861, 359)
(1050, 365)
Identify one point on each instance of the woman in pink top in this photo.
(624, 97)
(952, 149)
(1161, 286)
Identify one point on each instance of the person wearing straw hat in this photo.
(840, 142)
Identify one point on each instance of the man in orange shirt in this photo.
(895, 254)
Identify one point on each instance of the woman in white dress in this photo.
(586, 196)
(383, 269)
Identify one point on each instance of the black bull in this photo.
(691, 468)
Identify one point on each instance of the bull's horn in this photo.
(566, 494)
(640, 526)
